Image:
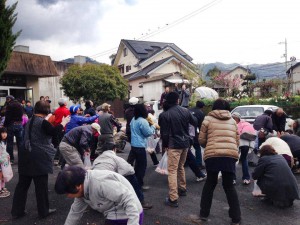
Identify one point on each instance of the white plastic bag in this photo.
(256, 190)
(7, 171)
(162, 167)
(151, 144)
(87, 161)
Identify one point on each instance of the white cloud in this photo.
(230, 31)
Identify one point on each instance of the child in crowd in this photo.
(4, 158)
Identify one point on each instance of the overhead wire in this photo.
(164, 28)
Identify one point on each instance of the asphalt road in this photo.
(254, 212)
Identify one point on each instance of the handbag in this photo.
(7, 171)
(247, 136)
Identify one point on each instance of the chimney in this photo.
(21, 48)
(80, 59)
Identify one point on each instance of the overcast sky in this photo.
(229, 31)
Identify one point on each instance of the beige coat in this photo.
(219, 135)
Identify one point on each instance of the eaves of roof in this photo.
(149, 68)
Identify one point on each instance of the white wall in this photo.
(153, 90)
(296, 80)
(129, 60)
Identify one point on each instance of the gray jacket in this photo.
(184, 98)
(108, 160)
(109, 193)
(79, 137)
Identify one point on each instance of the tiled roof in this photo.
(149, 68)
(145, 49)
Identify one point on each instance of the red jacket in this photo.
(61, 112)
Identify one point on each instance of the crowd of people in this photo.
(67, 137)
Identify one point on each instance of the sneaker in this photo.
(55, 162)
(181, 192)
(199, 179)
(246, 182)
(146, 205)
(232, 223)
(234, 182)
(171, 203)
(51, 211)
(203, 218)
(145, 188)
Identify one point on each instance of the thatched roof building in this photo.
(24, 63)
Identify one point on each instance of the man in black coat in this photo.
(174, 123)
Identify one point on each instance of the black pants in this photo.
(136, 186)
(138, 155)
(192, 163)
(41, 193)
(231, 194)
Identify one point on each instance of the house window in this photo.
(125, 52)
(128, 68)
(121, 68)
(242, 76)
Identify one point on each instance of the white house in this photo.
(293, 74)
(149, 66)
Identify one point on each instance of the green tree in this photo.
(213, 73)
(96, 82)
(248, 84)
(7, 38)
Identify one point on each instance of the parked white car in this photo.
(250, 112)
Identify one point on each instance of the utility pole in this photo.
(286, 62)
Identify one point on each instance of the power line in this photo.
(165, 27)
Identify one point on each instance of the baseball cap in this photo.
(96, 126)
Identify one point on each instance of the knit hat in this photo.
(172, 97)
(62, 101)
(236, 115)
(74, 108)
(96, 126)
(133, 101)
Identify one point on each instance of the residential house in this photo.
(231, 79)
(293, 74)
(149, 66)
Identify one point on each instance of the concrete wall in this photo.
(33, 82)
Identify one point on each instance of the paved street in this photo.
(254, 212)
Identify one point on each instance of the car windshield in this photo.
(249, 111)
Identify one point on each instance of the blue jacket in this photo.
(140, 130)
(77, 121)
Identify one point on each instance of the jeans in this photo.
(138, 155)
(191, 161)
(41, 193)
(136, 186)
(18, 131)
(154, 158)
(198, 154)
(243, 158)
(230, 191)
(176, 160)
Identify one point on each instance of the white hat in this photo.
(133, 101)
(236, 115)
(96, 126)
